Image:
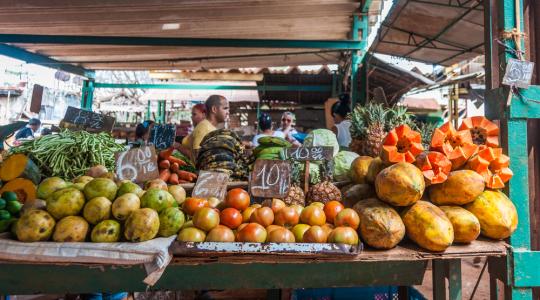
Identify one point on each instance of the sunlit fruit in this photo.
(237, 198)
(275, 204)
(315, 234)
(347, 217)
(191, 234)
(252, 233)
(263, 215)
(230, 217)
(220, 233)
(331, 209)
(206, 218)
(287, 216)
(246, 214)
(318, 204)
(191, 205)
(298, 208)
(241, 226)
(255, 205)
(298, 231)
(280, 235)
(343, 235)
(313, 215)
(213, 202)
(328, 228)
(270, 228)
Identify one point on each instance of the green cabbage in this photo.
(342, 164)
(322, 137)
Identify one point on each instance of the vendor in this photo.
(198, 114)
(288, 121)
(29, 130)
(340, 111)
(265, 126)
(142, 134)
(217, 112)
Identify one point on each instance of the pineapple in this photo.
(371, 123)
(295, 195)
(426, 131)
(324, 191)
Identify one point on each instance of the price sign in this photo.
(309, 153)
(518, 73)
(270, 178)
(138, 165)
(87, 120)
(211, 184)
(162, 136)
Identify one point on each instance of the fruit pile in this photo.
(10, 208)
(222, 151)
(273, 221)
(174, 170)
(271, 148)
(446, 194)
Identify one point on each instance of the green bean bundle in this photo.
(70, 153)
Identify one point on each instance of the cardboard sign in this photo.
(138, 164)
(211, 184)
(162, 135)
(88, 120)
(309, 153)
(518, 73)
(270, 178)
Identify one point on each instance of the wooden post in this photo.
(306, 177)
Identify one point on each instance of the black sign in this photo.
(211, 184)
(88, 120)
(162, 136)
(270, 178)
(518, 73)
(309, 153)
(138, 164)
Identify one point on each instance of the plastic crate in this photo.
(356, 293)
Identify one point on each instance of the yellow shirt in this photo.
(200, 131)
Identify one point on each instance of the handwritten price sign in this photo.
(211, 184)
(270, 178)
(138, 165)
(88, 120)
(309, 153)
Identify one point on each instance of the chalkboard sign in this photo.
(211, 184)
(518, 73)
(88, 120)
(162, 136)
(138, 164)
(309, 153)
(270, 178)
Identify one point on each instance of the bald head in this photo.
(217, 109)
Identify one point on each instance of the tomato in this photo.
(230, 217)
(280, 235)
(252, 233)
(347, 217)
(206, 218)
(313, 215)
(343, 235)
(237, 198)
(331, 209)
(287, 216)
(220, 233)
(191, 205)
(315, 234)
(263, 216)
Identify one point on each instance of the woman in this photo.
(340, 110)
(142, 134)
(198, 114)
(288, 121)
(265, 125)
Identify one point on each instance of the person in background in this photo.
(340, 110)
(288, 121)
(265, 126)
(29, 130)
(198, 114)
(142, 134)
(217, 112)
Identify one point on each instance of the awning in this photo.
(199, 95)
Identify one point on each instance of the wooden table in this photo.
(403, 266)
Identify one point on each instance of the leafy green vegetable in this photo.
(342, 164)
(322, 137)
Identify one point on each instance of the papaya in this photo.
(496, 213)
(381, 226)
(49, 186)
(483, 131)
(355, 193)
(457, 145)
(359, 169)
(466, 225)
(401, 184)
(435, 166)
(24, 188)
(401, 144)
(19, 166)
(375, 167)
(460, 188)
(428, 226)
(493, 165)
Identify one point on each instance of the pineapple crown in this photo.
(426, 132)
(364, 117)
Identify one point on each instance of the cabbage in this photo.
(342, 164)
(322, 137)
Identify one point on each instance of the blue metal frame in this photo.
(87, 97)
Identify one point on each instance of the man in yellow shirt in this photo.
(217, 111)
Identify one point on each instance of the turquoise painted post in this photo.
(354, 62)
(87, 97)
(454, 279)
(148, 110)
(438, 279)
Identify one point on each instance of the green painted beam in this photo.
(524, 105)
(189, 42)
(354, 62)
(300, 88)
(61, 279)
(526, 268)
(87, 97)
(33, 58)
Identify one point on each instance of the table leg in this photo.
(403, 292)
(454, 278)
(274, 294)
(439, 279)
